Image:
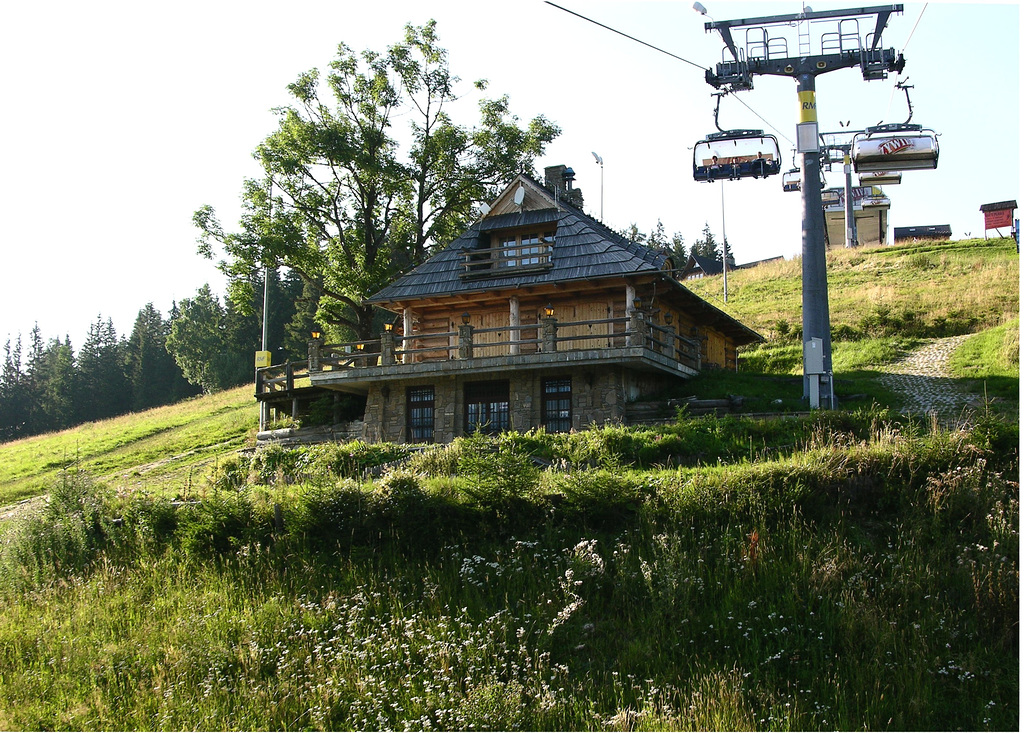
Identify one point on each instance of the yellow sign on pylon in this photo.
(262, 359)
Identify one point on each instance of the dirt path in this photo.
(922, 379)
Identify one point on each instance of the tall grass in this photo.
(864, 578)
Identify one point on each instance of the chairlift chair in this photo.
(881, 178)
(898, 146)
(791, 180)
(735, 154)
(895, 147)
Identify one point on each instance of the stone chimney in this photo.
(559, 179)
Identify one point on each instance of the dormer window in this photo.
(524, 250)
(509, 252)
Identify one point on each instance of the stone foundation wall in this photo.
(599, 396)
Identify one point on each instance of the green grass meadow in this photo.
(841, 571)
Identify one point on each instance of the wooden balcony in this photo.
(634, 341)
(508, 260)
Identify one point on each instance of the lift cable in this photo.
(912, 30)
(782, 134)
(915, 27)
(668, 53)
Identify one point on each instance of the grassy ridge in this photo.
(922, 291)
(157, 448)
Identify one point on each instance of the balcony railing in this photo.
(506, 260)
(546, 337)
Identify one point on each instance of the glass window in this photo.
(523, 250)
(556, 397)
(419, 414)
(487, 407)
(529, 251)
(507, 255)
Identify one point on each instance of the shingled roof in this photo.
(584, 250)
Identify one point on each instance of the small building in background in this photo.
(940, 232)
(870, 212)
(697, 267)
(998, 215)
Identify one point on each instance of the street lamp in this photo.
(600, 161)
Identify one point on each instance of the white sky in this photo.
(120, 119)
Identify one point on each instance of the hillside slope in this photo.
(926, 290)
(161, 448)
(892, 309)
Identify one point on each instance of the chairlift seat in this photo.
(736, 154)
(791, 180)
(894, 148)
(881, 178)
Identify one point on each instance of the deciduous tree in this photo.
(345, 204)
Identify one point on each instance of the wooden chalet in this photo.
(537, 316)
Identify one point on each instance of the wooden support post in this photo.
(635, 331)
(669, 349)
(513, 322)
(314, 355)
(407, 326)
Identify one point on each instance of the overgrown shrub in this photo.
(496, 475)
(219, 525)
(399, 493)
(322, 515)
(439, 460)
(274, 463)
(64, 539)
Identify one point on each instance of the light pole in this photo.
(600, 161)
(725, 252)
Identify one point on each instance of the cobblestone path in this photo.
(922, 379)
